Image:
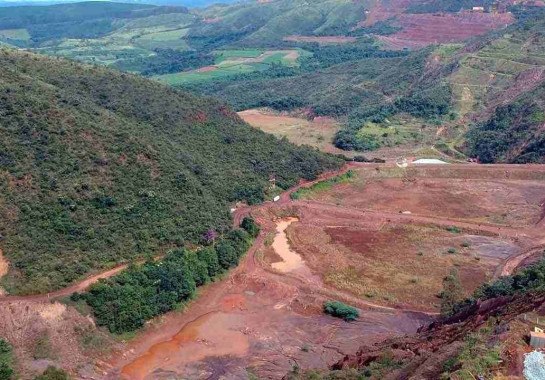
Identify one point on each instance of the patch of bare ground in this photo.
(395, 264)
(498, 197)
(44, 334)
(323, 40)
(425, 29)
(317, 132)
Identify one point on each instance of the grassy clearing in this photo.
(15, 34)
(307, 192)
(234, 62)
(223, 55)
(477, 358)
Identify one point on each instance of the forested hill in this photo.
(98, 166)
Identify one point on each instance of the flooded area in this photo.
(291, 260)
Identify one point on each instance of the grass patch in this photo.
(6, 360)
(322, 186)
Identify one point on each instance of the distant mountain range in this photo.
(187, 3)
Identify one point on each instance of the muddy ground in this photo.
(266, 318)
(380, 243)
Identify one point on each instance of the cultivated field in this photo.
(233, 62)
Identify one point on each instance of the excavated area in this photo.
(381, 242)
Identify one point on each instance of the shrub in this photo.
(52, 373)
(250, 226)
(341, 310)
(6, 370)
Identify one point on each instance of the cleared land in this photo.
(318, 132)
(321, 39)
(384, 262)
(419, 30)
(390, 236)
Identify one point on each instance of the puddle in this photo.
(214, 334)
(290, 259)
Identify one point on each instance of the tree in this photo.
(451, 294)
(250, 226)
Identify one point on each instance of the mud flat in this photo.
(290, 259)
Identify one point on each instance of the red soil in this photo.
(426, 29)
(321, 40)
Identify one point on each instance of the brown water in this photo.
(213, 334)
(290, 259)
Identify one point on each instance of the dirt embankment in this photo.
(426, 354)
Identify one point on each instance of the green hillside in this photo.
(98, 167)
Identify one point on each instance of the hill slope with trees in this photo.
(99, 167)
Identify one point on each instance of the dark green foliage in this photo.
(102, 167)
(249, 224)
(531, 279)
(512, 134)
(167, 61)
(341, 310)
(53, 373)
(6, 360)
(78, 20)
(125, 302)
(432, 6)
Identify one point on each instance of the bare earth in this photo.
(324, 40)
(318, 132)
(379, 243)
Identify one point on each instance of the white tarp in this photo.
(427, 161)
(534, 366)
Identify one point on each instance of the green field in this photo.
(233, 62)
(14, 34)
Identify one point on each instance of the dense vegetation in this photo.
(98, 167)
(341, 310)
(530, 279)
(513, 134)
(125, 302)
(6, 360)
(77, 20)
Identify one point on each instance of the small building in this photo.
(478, 9)
(537, 339)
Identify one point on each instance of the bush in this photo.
(52, 373)
(250, 226)
(6, 370)
(341, 310)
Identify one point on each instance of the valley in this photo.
(271, 314)
(277, 189)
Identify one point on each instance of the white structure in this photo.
(429, 161)
(478, 9)
(276, 199)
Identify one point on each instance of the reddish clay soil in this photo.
(425, 29)
(261, 321)
(321, 40)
